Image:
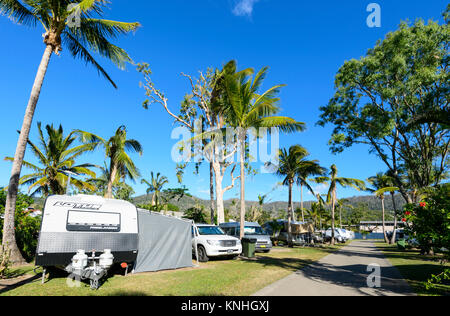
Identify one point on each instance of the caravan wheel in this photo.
(202, 256)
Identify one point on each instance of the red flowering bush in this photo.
(429, 221)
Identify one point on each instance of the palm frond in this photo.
(25, 164)
(79, 51)
(90, 34)
(17, 12)
(285, 124)
(382, 191)
(134, 145)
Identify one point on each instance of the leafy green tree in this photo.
(116, 150)
(356, 214)
(91, 35)
(334, 181)
(404, 77)
(247, 109)
(123, 191)
(155, 186)
(282, 214)
(57, 156)
(197, 214)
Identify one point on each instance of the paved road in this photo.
(343, 273)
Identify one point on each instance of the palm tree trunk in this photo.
(395, 219)
(211, 190)
(384, 222)
(242, 162)
(9, 238)
(333, 205)
(109, 193)
(290, 211)
(301, 202)
(154, 199)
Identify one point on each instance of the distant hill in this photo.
(373, 203)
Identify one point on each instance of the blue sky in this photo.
(303, 42)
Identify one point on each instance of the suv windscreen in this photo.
(254, 230)
(210, 230)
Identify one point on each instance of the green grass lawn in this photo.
(415, 268)
(215, 278)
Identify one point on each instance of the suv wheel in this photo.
(202, 256)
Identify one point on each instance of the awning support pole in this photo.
(195, 243)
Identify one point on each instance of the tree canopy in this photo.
(378, 98)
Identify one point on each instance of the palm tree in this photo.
(381, 183)
(334, 180)
(305, 169)
(155, 186)
(116, 149)
(101, 182)
(318, 211)
(56, 157)
(315, 213)
(83, 38)
(288, 162)
(247, 109)
(340, 205)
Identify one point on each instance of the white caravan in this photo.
(87, 234)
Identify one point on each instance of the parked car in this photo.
(347, 234)
(251, 230)
(338, 236)
(211, 241)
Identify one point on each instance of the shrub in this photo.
(27, 227)
(429, 221)
(197, 214)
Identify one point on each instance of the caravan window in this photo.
(93, 221)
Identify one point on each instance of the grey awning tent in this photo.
(165, 243)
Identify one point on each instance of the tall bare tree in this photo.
(200, 107)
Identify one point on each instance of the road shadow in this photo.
(13, 286)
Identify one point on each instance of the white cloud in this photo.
(244, 7)
(319, 189)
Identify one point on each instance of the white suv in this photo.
(211, 241)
